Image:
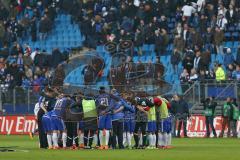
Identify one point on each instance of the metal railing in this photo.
(199, 91)
(19, 99)
(14, 98)
(192, 93)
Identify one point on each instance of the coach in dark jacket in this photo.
(182, 113)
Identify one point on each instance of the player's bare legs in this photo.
(49, 140)
(64, 139)
(55, 139)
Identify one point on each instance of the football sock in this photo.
(154, 140)
(140, 139)
(64, 139)
(165, 138)
(49, 140)
(101, 137)
(74, 142)
(81, 141)
(129, 139)
(95, 139)
(124, 138)
(55, 139)
(160, 139)
(150, 138)
(107, 137)
(169, 142)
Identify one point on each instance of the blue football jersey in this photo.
(60, 106)
(129, 115)
(103, 102)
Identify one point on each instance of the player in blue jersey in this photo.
(57, 122)
(129, 123)
(151, 126)
(46, 122)
(117, 120)
(164, 122)
(103, 101)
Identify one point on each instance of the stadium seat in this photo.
(153, 54)
(154, 59)
(168, 57)
(151, 47)
(219, 58)
(234, 52)
(227, 36)
(142, 58)
(148, 58)
(170, 25)
(64, 35)
(145, 48)
(236, 44)
(173, 20)
(163, 59)
(235, 36)
(228, 44)
(168, 78)
(168, 20)
(213, 57)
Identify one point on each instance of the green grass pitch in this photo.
(185, 149)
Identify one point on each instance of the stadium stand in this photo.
(47, 31)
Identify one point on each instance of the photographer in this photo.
(209, 110)
(230, 117)
(226, 114)
(233, 118)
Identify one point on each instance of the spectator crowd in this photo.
(196, 28)
(21, 65)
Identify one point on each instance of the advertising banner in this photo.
(21, 125)
(196, 126)
(11, 125)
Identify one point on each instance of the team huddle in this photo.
(106, 121)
